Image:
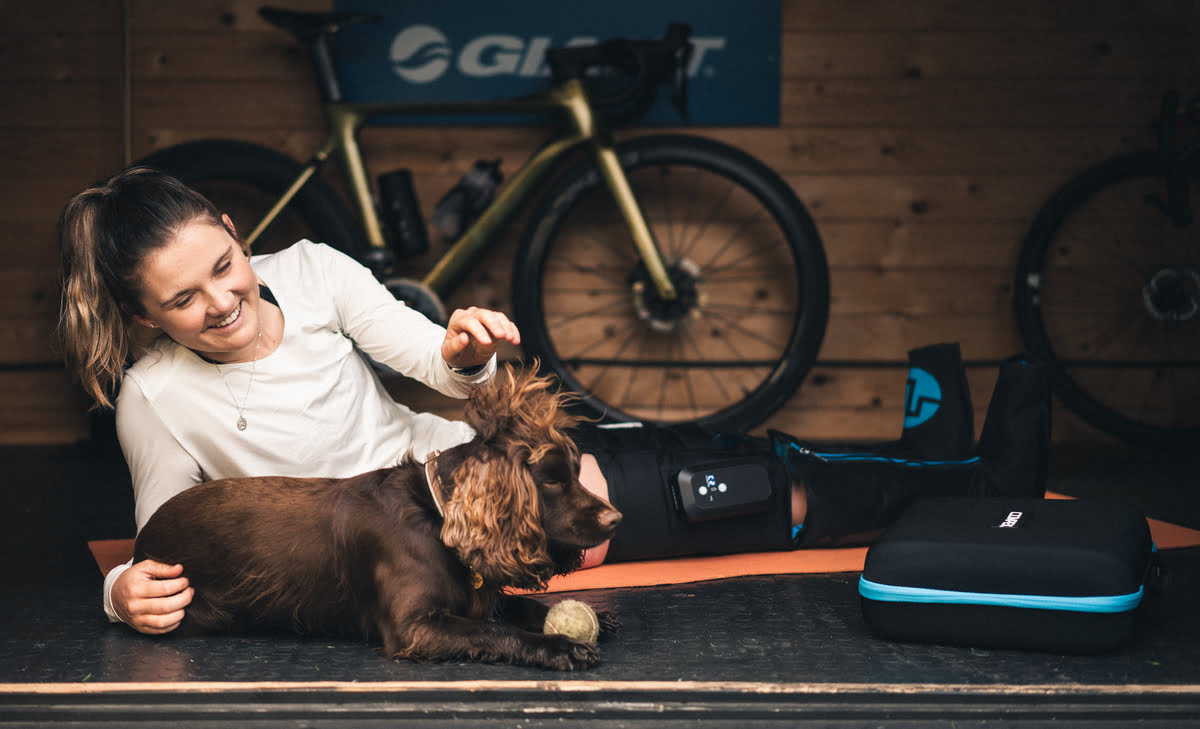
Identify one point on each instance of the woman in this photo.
(263, 366)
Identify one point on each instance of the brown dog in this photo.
(373, 555)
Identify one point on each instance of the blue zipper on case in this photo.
(1102, 604)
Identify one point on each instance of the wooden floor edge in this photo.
(583, 686)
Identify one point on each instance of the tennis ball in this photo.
(573, 619)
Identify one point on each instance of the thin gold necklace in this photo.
(241, 409)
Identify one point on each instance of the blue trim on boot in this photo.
(782, 448)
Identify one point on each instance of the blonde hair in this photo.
(105, 233)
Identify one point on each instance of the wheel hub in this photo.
(1173, 294)
(668, 315)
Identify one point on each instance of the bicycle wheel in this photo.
(1108, 293)
(244, 180)
(746, 261)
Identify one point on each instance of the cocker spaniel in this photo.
(417, 556)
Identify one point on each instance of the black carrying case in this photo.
(1053, 575)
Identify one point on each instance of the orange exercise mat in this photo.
(112, 552)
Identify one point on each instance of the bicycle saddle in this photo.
(307, 26)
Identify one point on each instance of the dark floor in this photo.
(755, 651)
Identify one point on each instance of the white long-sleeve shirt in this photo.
(315, 406)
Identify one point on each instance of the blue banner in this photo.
(467, 50)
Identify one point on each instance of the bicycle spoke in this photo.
(735, 324)
(1121, 251)
(620, 249)
(604, 273)
(712, 373)
(634, 375)
(719, 271)
(672, 249)
(680, 245)
(607, 368)
(665, 380)
(735, 309)
(712, 215)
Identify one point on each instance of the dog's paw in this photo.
(561, 653)
(610, 625)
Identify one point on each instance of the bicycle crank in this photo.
(668, 315)
(1173, 294)
(420, 297)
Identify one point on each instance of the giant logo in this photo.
(421, 54)
(922, 397)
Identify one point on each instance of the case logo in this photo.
(1011, 521)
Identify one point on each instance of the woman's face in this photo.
(200, 291)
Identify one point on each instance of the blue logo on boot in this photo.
(922, 397)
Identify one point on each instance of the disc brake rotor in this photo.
(668, 315)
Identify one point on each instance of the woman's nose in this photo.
(221, 301)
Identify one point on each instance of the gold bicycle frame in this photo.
(345, 120)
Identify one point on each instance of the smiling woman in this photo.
(202, 293)
(253, 366)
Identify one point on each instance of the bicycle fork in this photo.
(574, 99)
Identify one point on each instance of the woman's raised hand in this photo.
(473, 334)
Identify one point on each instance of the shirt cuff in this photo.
(475, 375)
(468, 371)
(109, 580)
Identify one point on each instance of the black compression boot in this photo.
(939, 420)
(852, 496)
(1015, 443)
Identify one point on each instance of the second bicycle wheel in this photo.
(746, 261)
(1108, 293)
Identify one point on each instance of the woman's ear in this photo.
(232, 230)
(143, 321)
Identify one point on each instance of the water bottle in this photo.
(402, 214)
(460, 207)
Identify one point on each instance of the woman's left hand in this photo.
(473, 334)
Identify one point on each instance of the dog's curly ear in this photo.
(493, 520)
(521, 405)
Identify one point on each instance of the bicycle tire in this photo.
(582, 299)
(244, 180)
(1092, 301)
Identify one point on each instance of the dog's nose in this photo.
(610, 518)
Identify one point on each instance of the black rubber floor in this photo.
(754, 651)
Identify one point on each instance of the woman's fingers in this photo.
(472, 335)
(151, 596)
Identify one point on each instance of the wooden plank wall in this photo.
(922, 136)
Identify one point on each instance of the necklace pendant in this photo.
(241, 423)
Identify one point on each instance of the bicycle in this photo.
(666, 278)
(1108, 291)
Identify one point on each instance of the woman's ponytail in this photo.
(105, 232)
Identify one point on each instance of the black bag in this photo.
(1054, 575)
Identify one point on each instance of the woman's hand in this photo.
(150, 597)
(473, 334)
